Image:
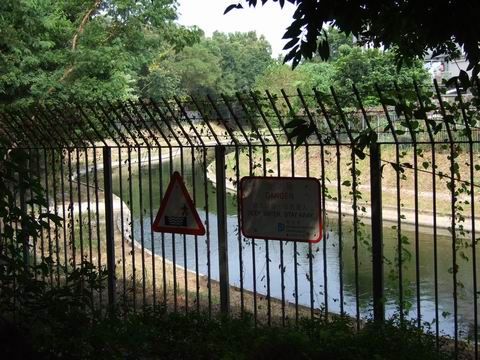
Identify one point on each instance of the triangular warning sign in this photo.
(177, 213)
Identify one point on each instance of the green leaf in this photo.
(291, 54)
(451, 82)
(293, 31)
(397, 167)
(464, 80)
(359, 152)
(231, 7)
(296, 131)
(295, 123)
(291, 43)
(391, 101)
(57, 220)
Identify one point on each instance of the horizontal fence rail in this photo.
(399, 193)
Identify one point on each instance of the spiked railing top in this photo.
(401, 116)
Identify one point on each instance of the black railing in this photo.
(398, 196)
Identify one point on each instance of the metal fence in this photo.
(399, 190)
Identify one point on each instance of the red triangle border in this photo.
(156, 227)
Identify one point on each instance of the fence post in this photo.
(110, 240)
(23, 207)
(377, 232)
(222, 229)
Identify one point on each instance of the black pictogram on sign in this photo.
(177, 213)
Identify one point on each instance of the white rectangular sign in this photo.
(281, 208)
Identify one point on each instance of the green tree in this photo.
(60, 50)
(369, 67)
(224, 63)
(200, 70)
(336, 39)
(354, 65)
(244, 56)
(163, 80)
(279, 76)
(411, 27)
(318, 75)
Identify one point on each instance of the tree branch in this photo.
(84, 21)
(78, 32)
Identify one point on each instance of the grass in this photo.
(311, 163)
(163, 335)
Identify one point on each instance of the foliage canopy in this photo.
(83, 49)
(411, 27)
(364, 68)
(224, 63)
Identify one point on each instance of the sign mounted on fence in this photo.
(177, 212)
(281, 208)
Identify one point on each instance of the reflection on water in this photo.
(325, 255)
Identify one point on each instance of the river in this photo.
(325, 255)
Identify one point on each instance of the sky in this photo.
(269, 20)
